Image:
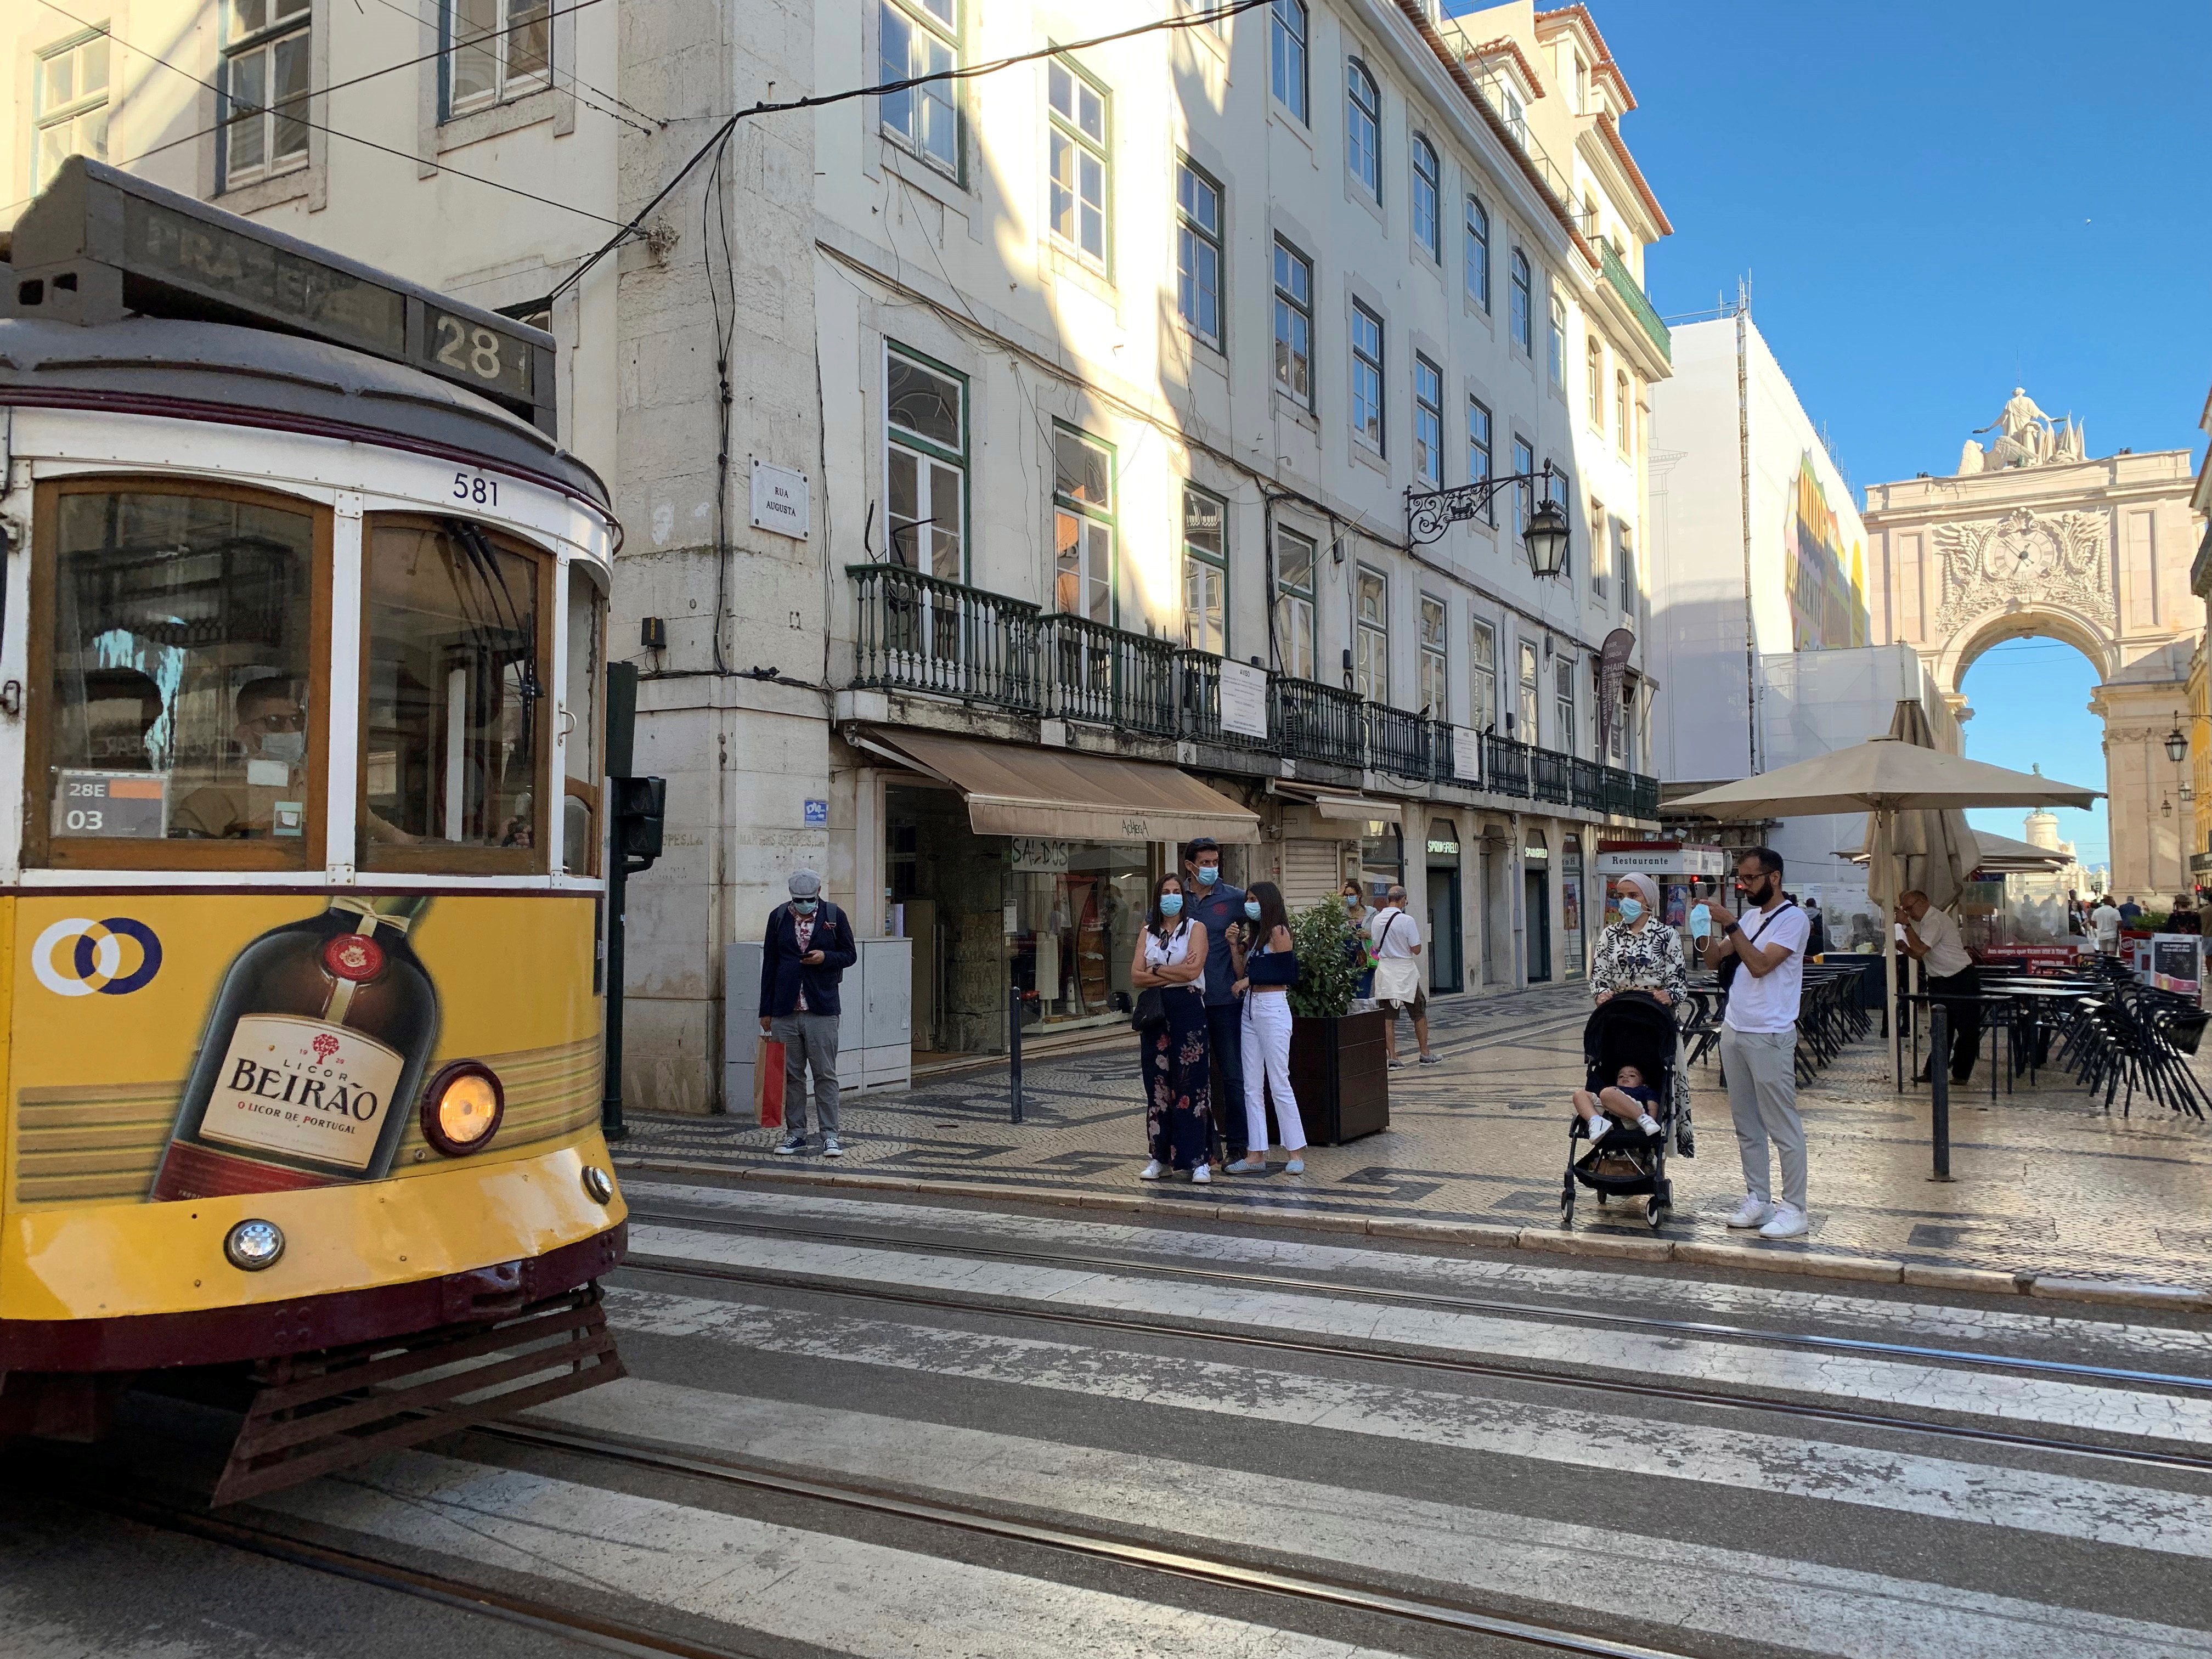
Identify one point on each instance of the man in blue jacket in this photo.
(807, 950)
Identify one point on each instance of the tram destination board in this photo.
(99, 244)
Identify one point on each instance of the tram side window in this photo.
(181, 667)
(453, 720)
(580, 829)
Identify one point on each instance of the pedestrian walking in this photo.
(1168, 970)
(1931, 938)
(1400, 979)
(1360, 914)
(1761, 963)
(2105, 923)
(1218, 905)
(808, 947)
(2131, 912)
(1265, 973)
(1816, 944)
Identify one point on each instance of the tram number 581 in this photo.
(476, 488)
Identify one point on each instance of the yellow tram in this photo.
(302, 889)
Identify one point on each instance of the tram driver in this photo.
(272, 731)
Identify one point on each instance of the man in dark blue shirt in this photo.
(1217, 906)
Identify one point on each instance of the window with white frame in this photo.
(496, 50)
(1370, 634)
(1524, 494)
(1363, 127)
(1623, 560)
(1482, 675)
(1478, 452)
(1522, 305)
(1478, 252)
(69, 104)
(1594, 372)
(926, 465)
(1286, 55)
(1296, 566)
(1204, 572)
(1366, 376)
(1557, 355)
(1428, 423)
(1565, 736)
(1080, 142)
(1428, 186)
(1294, 322)
(921, 37)
(266, 75)
(1083, 525)
(1436, 659)
(1198, 252)
(1530, 690)
(1597, 539)
(1621, 410)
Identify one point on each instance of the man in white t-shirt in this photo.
(2105, 923)
(1397, 938)
(1758, 1040)
(1931, 938)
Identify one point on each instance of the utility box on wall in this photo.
(875, 1034)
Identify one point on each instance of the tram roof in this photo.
(186, 370)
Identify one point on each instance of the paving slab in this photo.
(2046, 1182)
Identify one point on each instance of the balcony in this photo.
(1625, 284)
(914, 632)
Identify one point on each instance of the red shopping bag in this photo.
(768, 1083)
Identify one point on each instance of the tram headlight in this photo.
(462, 1107)
(253, 1245)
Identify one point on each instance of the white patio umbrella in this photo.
(1883, 777)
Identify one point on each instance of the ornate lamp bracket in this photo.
(1430, 512)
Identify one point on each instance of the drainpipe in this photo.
(1743, 480)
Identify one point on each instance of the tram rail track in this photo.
(1453, 1364)
(1703, 1330)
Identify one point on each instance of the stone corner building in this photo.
(2033, 536)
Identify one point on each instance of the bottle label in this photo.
(304, 1089)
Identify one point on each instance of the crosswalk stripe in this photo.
(2156, 1519)
(2066, 1405)
(1796, 1604)
(1893, 1319)
(840, 1594)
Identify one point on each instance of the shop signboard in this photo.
(1243, 699)
(1034, 853)
(1658, 858)
(2176, 962)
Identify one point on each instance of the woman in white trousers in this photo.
(1267, 1031)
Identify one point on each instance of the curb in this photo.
(1549, 1241)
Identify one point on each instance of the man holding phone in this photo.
(1759, 1039)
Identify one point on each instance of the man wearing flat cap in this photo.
(808, 948)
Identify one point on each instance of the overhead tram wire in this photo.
(1194, 19)
(623, 233)
(554, 70)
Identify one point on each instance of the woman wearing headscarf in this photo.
(1640, 952)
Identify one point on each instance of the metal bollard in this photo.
(1939, 1087)
(1014, 1051)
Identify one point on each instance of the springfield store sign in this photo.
(1658, 858)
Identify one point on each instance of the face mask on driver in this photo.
(289, 747)
(1630, 908)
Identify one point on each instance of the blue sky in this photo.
(1934, 202)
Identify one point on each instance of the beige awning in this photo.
(1339, 807)
(1059, 795)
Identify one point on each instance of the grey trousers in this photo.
(1762, 1086)
(808, 1040)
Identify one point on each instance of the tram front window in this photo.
(181, 661)
(454, 721)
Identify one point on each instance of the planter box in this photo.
(1341, 1070)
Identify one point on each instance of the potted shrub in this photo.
(1338, 1065)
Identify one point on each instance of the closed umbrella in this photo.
(1884, 776)
(1932, 851)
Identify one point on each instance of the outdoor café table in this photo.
(2042, 999)
(1991, 1002)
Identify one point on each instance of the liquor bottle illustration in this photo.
(312, 1056)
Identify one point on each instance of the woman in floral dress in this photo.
(1170, 959)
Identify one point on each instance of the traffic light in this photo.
(639, 805)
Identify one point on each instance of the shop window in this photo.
(1370, 646)
(1436, 661)
(265, 72)
(182, 727)
(926, 465)
(1295, 569)
(1080, 154)
(1083, 525)
(1205, 571)
(915, 38)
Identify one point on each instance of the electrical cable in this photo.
(552, 65)
(1210, 15)
(711, 204)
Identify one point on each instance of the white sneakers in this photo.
(1773, 1221)
(1787, 1224)
(1151, 1172)
(1753, 1213)
(1201, 1175)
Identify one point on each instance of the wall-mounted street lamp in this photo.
(1548, 535)
(1430, 512)
(2177, 743)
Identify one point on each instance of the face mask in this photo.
(805, 906)
(1208, 874)
(1630, 908)
(1351, 901)
(289, 747)
(1252, 908)
(1171, 904)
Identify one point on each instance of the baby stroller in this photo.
(1630, 1028)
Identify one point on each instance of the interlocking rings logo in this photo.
(95, 962)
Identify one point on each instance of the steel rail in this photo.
(1463, 1304)
(1456, 1365)
(1103, 1545)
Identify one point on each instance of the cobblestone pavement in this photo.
(2044, 1181)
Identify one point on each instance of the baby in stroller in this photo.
(1617, 1139)
(1625, 1097)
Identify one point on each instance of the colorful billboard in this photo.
(1827, 581)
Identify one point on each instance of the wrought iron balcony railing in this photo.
(1625, 284)
(917, 633)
